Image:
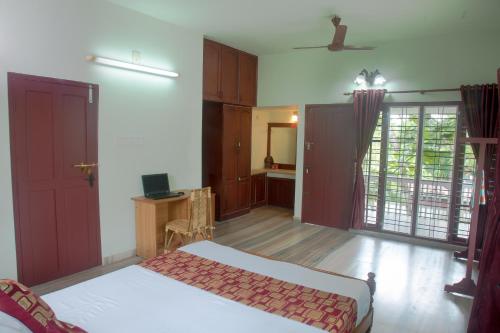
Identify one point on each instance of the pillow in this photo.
(21, 303)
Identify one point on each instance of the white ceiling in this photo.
(272, 26)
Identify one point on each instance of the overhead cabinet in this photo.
(229, 75)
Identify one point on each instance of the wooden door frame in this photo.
(11, 76)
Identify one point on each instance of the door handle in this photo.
(84, 166)
(86, 169)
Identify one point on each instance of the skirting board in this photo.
(411, 240)
(401, 238)
(118, 257)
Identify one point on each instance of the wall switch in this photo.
(136, 57)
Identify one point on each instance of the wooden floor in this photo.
(410, 278)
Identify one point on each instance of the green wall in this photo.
(319, 76)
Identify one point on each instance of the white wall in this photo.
(319, 76)
(146, 123)
(260, 118)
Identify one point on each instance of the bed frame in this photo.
(365, 326)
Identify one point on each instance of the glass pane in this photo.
(465, 191)
(438, 153)
(371, 172)
(401, 159)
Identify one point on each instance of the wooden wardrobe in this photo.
(227, 131)
(229, 92)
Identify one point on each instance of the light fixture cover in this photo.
(360, 79)
(129, 66)
(379, 80)
(370, 78)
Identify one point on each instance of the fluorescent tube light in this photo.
(130, 66)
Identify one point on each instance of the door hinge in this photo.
(91, 94)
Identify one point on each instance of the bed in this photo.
(138, 299)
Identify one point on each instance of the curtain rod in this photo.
(421, 91)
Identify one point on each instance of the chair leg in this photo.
(184, 239)
(165, 244)
(169, 243)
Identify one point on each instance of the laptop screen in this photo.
(154, 184)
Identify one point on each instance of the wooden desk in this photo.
(151, 217)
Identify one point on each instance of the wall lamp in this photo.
(130, 66)
(370, 78)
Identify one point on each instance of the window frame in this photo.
(452, 224)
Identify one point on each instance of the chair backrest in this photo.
(200, 208)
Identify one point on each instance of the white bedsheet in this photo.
(135, 299)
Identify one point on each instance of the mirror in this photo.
(282, 144)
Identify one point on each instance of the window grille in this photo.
(371, 172)
(438, 155)
(419, 177)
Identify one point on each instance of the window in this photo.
(418, 177)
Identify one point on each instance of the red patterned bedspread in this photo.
(328, 311)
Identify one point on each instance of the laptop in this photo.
(156, 187)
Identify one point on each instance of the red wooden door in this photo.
(328, 165)
(53, 126)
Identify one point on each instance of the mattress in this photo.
(135, 299)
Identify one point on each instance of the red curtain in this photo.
(480, 115)
(367, 105)
(485, 315)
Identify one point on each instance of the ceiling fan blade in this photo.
(358, 48)
(310, 47)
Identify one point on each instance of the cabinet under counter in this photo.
(274, 187)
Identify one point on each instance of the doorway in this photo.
(53, 131)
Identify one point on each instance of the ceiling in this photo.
(273, 26)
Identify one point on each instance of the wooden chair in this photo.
(199, 223)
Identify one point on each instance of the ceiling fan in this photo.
(338, 40)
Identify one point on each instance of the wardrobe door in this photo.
(229, 75)
(247, 79)
(244, 158)
(211, 71)
(230, 149)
